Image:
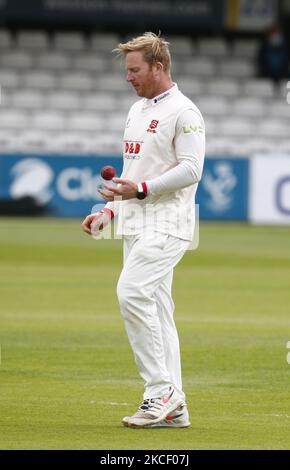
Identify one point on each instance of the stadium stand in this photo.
(65, 92)
(33, 40)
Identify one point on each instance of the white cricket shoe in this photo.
(154, 410)
(177, 419)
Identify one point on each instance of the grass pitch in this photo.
(68, 375)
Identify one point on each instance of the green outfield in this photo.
(68, 375)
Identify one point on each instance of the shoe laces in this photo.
(146, 404)
(151, 403)
(154, 403)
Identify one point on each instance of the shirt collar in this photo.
(160, 98)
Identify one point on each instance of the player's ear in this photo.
(159, 66)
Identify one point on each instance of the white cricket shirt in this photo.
(161, 134)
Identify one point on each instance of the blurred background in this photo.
(64, 100)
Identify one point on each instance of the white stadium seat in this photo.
(264, 145)
(220, 145)
(53, 60)
(116, 122)
(284, 145)
(211, 126)
(64, 100)
(200, 67)
(65, 41)
(85, 121)
(247, 48)
(77, 81)
(190, 86)
(180, 45)
(249, 107)
(255, 145)
(236, 68)
(39, 79)
(272, 128)
(106, 143)
(177, 68)
(89, 63)
(13, 119)
(124, 102)
(99, 102)
(5, 98)
(36, 40)
(48, 120)
(34, 140)
(234, 126)
(9, 79)
(72, 142)
(8, 140)
(279, 109)
(114, 84)
(213, 105)
(6, 40)
(104, 42)
(213, 47)
(259, 88)
(223, 87)
(28, 99)
(17, 60)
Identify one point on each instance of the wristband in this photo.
(111, 213)
(141, 190)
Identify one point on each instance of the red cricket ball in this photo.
(108, 172)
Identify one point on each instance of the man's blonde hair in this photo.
(154, 48)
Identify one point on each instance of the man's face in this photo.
(141, 76)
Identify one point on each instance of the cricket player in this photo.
(164, 146)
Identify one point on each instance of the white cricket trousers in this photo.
(144, 293)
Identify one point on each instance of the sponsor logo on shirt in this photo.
(152, 126)
(156, 100)
(132, 149)
(188, 128)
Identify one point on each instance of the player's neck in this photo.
(162, 88)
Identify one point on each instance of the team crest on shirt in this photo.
(152, 126)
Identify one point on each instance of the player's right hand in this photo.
(94, 223)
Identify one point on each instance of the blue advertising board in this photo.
(67, 185)
(223, 191)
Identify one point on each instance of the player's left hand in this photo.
(126, 189)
